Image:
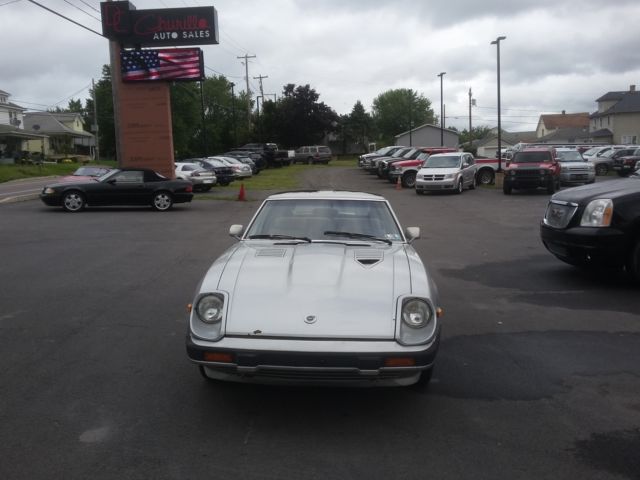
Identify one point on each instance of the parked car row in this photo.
(424, 169)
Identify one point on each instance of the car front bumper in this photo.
(435, 185)
(313, 362)
(586, 245)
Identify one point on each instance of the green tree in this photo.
(297, 118)
(358, 126)
(396, 111)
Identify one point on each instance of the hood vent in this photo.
(271, 252)
(368, 258)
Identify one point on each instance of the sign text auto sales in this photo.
(162, 27)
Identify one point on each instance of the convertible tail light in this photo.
(220, 357)
(399, 362)
(188, 188)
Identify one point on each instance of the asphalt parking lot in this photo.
(538, 376)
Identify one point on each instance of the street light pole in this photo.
(496, 42)
(441, 74)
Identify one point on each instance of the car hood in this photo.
(326, 290)
(438, 171)
(609, 189)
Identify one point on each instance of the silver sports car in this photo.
(321, 288)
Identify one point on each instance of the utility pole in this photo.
(233, 114)
(441, 74)
(470, 115)
(259, 78)
(204, 130)
(95, 120)
(246, 58)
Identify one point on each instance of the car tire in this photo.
(73, 201)
(207, 188)
(623, 174)
(633, 263)
(551, 188)
(309, 161)
(602, 169)
(459, 187)
(486, 177)
(409, 180)
(506, 189)
(472, 186)
(162, 201)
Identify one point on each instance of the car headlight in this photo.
(598, 213)
(207, 315)
(449, 176)
(210, 307)
(48, 191)
(417, 324)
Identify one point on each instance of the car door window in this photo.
(129, 177)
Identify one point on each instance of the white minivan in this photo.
(453, 171)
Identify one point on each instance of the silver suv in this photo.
(313, 154)
(453, 171)
(574, 169)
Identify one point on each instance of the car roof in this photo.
(326, 195)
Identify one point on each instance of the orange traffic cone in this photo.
(399, 184)
(241, 194)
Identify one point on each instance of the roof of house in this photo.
(509, 137)
(567, 135)
(628, 103)
(565, 120)
(50, 124)
(603, 132)
(11, 131)
(420, 127)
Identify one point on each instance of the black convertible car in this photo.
(122, 186)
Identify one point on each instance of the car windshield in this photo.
(410, 153)
(532, 157)
(592, 151)
(91, 171)
(401, 152)
(446, 161)
(572, 156)
(108, 175)
(325, 220)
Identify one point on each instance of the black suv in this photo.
(626, 161)
(597, 224)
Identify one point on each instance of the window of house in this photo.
(629, 139)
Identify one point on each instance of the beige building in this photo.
(617, 119)
(65, 134)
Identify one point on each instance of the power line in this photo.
(78, 8)
(62, 16)
(12, 1)
(90, 6)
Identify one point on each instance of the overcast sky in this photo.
(558, 55)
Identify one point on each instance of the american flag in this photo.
(163, 64)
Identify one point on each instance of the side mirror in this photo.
(236, 231)
(412, 233)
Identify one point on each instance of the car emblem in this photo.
(310, 319)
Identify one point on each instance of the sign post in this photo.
(140, 77)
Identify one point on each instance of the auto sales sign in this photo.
(121, 22)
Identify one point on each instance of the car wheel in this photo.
(633, 263)
(73, 201)
(162, 201)
(506, 189)
(309, 161)
(602, 169)
(207, 188)
(486, 177)
(409, 180)
(459, 187)
(472, 186)
(551, 188)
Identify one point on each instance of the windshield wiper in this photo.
(358, 235)
(280, 237)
